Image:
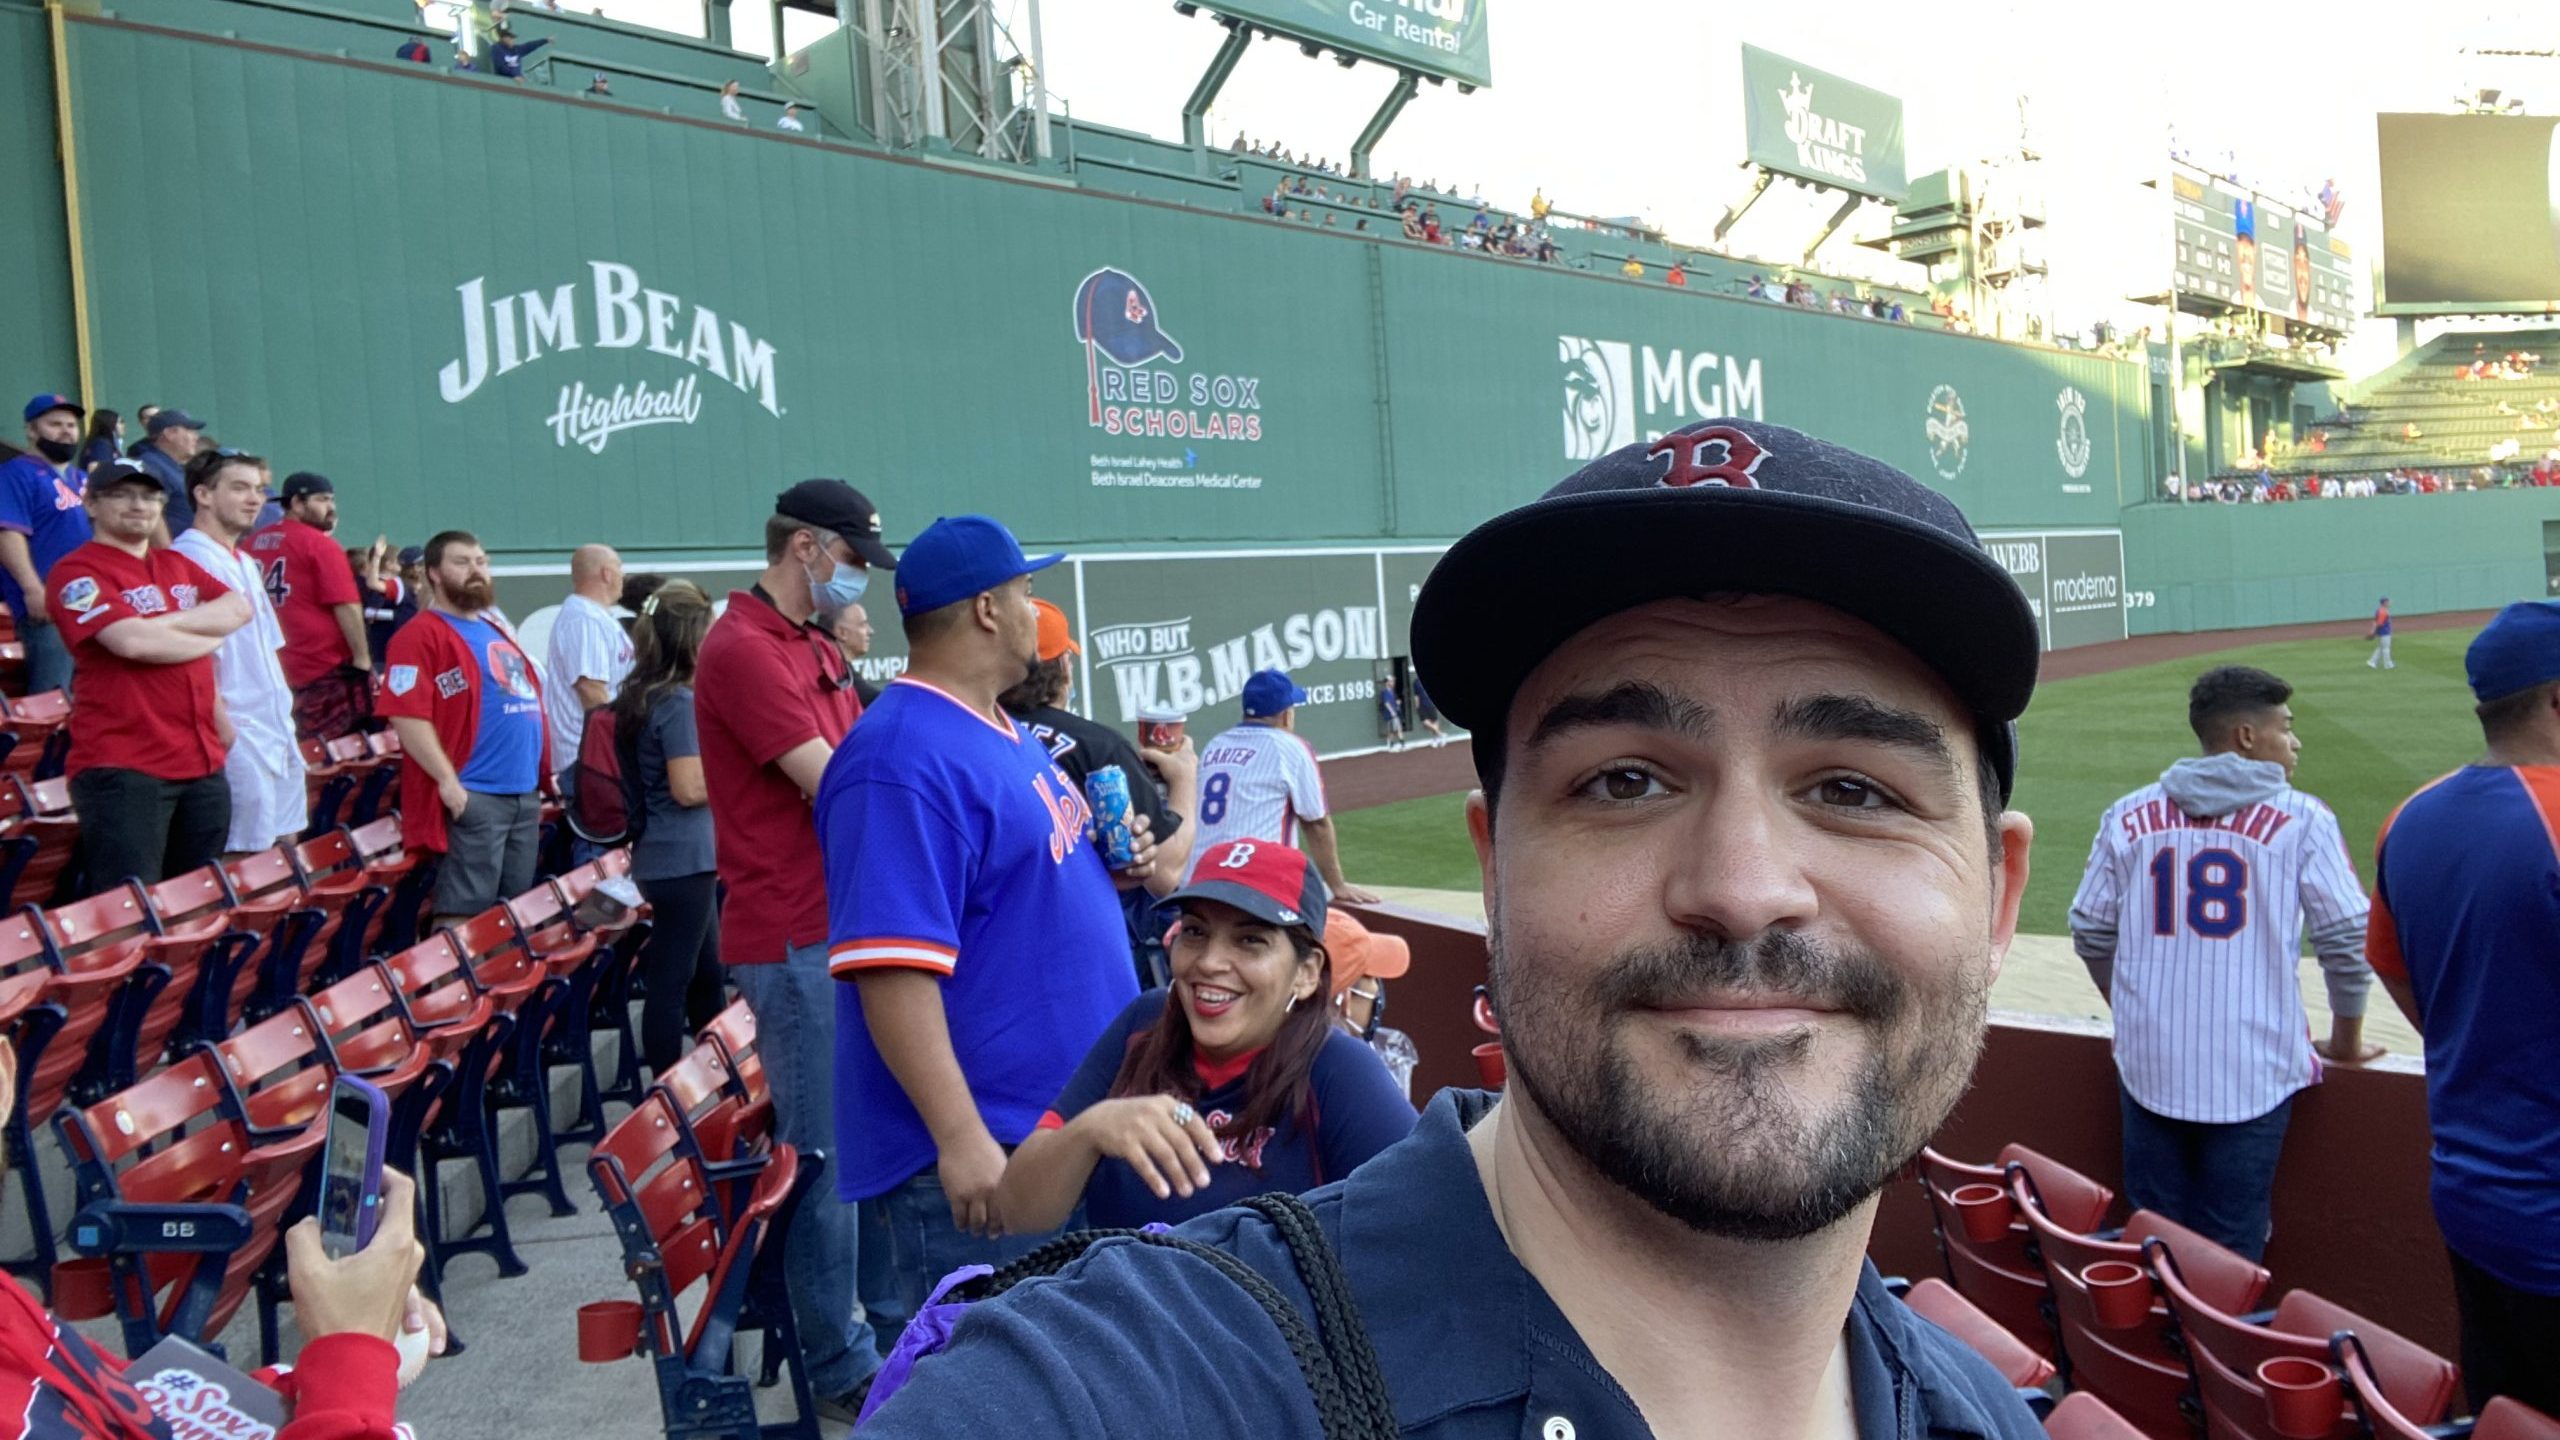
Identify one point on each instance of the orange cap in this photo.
(1056, 638)
(1358, 950)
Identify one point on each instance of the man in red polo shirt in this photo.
(773, 697)
(327, 659)
(148, 733)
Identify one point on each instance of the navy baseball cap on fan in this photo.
(171, 418)
(838, 508)
(1269, 692)
(2517, 651)
(118, 472)
(958, 556)
(301, 483)
(44, 405)
(1263, 878)
(1726, 507)
(413, 555)
(1116, 315)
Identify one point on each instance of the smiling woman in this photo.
(1232, 1082)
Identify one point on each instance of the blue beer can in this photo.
(1108, 790)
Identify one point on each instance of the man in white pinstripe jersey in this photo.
(2190, 918)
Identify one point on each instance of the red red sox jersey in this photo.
(1256, 783)
(2205, 915)
(132, 714)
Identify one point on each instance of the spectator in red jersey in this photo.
(1678, 275)
(148, 731)
(327, 658)
(468, 705)
(773, 698)
(341, 1387)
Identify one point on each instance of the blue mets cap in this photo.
(1268, 692)
(1116, 316)
(2519, 650)
(47, 404)
(1727, 507)
(959, 556)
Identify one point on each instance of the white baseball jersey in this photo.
(269, 795)
(587, 643)
(2206, 917)
(1256, 783)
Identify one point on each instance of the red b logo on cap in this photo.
(1717, 455)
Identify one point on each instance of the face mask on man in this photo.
(57, 451)
(842, 587)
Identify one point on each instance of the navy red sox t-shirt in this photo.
(1359, 1111)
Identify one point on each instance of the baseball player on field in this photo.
(2190, 919)
(1258, 781)
(2380, 635)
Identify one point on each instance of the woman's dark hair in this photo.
(1278, 1085)
(102, 426)
(664, 643)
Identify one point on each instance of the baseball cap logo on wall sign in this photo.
(1121, 329)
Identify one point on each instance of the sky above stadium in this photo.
(1629, 107)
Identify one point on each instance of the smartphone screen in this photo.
(350, 1182)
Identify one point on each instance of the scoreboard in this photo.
(2258, 254)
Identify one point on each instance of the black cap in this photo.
(1727, 506)
(171, 417)
(305, 482)
(119, 472)
(833, 505)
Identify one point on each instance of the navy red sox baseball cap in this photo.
(958, 556)
(1719, 507)
(1116, 316)
(47, 404)
(1263, 878)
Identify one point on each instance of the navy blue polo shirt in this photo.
(1471, 1345)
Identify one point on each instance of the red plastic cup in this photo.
(608, 1330)
(1489, 1064)
(2120, 1292)
(84, 1289)
(2304, 1401)
(1983, 1210)
(1160, 734)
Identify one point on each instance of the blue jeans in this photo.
(909, 1244)
(48, 657)
(2217, 1180)
(795, 1007)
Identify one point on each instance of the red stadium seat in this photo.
(2000, 1276)
(2369, 1389)
(281, 1071)
(1938, 1303)
(2225, 1352)
(109, 929)
(44, 836)
(268, 902)
(2140, 1371)
(52, 1040)
(2086, 1417)
(192, 940)
(337, 884)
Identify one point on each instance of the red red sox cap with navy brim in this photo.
(1726, 506)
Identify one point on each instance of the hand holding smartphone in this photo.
(351, 1166)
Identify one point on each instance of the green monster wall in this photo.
(552, 322)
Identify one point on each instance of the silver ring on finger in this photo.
(1183, 1114)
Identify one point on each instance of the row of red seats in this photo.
(456, 1028)
(702, 1198)
(2162, 1325)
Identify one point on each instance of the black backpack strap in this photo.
(1339, 1365)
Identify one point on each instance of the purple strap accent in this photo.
(1155, 1227)
(925, 1335)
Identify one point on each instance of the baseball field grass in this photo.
(2368, 738)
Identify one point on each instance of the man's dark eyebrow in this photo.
(1856, 717)
(1632, 703)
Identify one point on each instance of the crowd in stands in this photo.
(2257, 485)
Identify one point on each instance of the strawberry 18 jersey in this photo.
(2208, 914)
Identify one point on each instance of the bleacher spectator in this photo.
(1633, 269)
(390, 589)
(506, 56)
(263, 767)
(789, 119)
(175, 436)
(587, 654)
(328, 657)
(147, 725)
(2464, 905)
(1175, 1112)
(600, 86)
(970, 909)
(1431, 225)
(467, 703)
(1412, 223)
(1539, 204)
(349, 1310)
(42, 519)
(141, 417)
(729, 105)
(773, 698)
(1677, 276)
(1259, 781)
(672, 855)
(415, 51)
(103, 441)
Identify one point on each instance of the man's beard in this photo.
(1728, 1147)
(474, 595)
